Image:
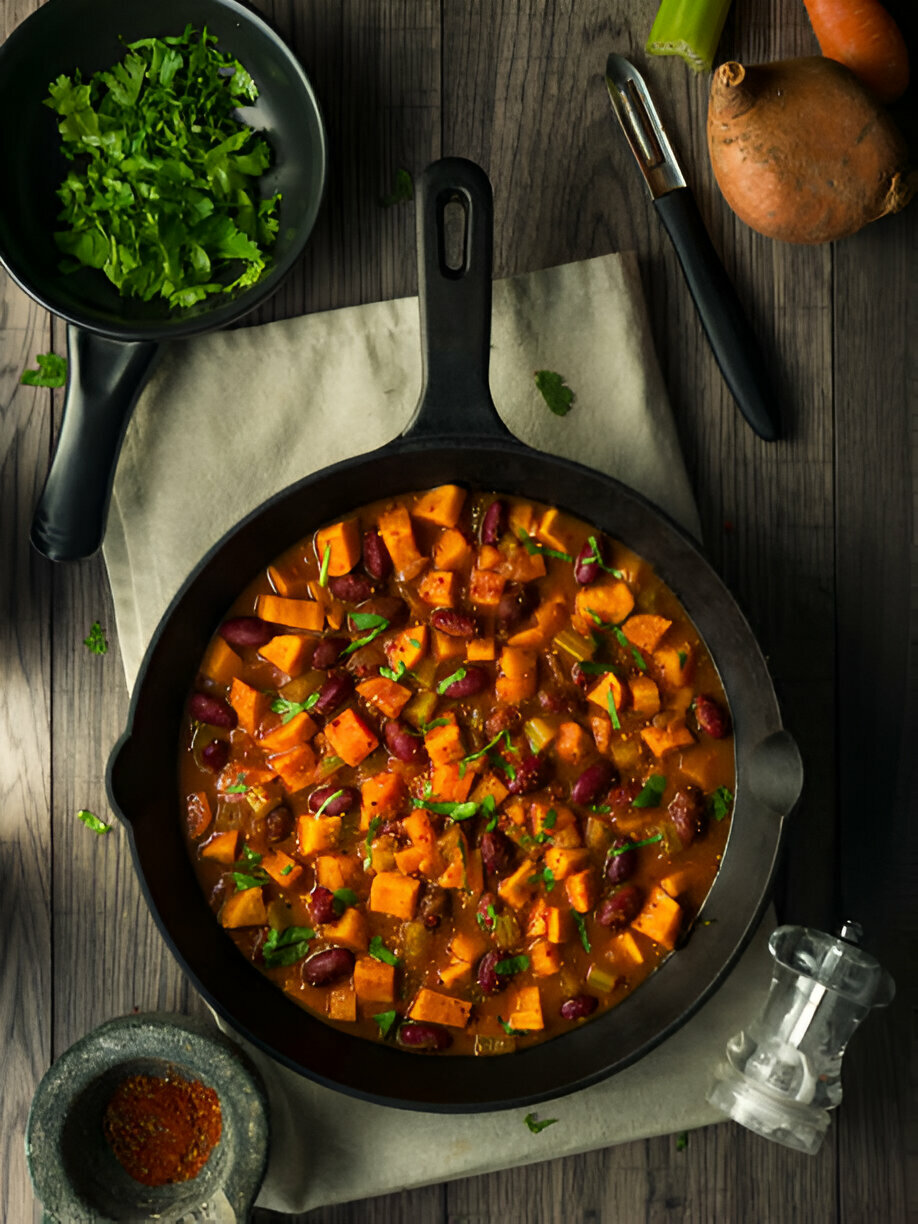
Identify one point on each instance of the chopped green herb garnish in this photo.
(535, 1125)
(596, 669)
(323, 572)
(595, 558)
(508, 1028)
(285, 871)
(402, 191)
(626, 645)
(92, 821)
(365, 620)
(458, 674)
(513, 964)
(402, 670)
(373, 829)
(682, 1141)
(51, 372)
(286, 947)
(602, 809)
(250, 857)
(492, 823)
(483, 919)
(290, 709)
(582, 931)
(342, 898)
(162, 193)
(244, 881)
(648, 841)
(239, 786)
(501, 735)
(682, 658)
(248, 873)
(533, 547)
(384, 1021)
(437, 722)
(546, 876)
(455, 811)
(95, 643)
(380, 952)
(651, 792)
(415, 643)
(613, 713)
(554, 391)
(720, 802)
(327, 800)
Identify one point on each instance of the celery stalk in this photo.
(690, 28)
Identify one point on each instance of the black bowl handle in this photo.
(455, 223)
(104, 380)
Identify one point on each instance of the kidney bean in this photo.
(242, 631)
(594, 780)
(494, 523)
(582, 679)
(587, 570)
(344, 802)
(453, 623)
(551, 703)
(620, 867)
(712, 717)
(579, 1007)
(329, 966)
(530, 775)
(687, 813)
(337, 688)
(322, 904)
(487, 976)
(619, 908)
(487, 900)
(496, 851)
(516, 605)
(279, 823)
(376, 559)
(423, 1036)
(624, 795)
(212, 710)
(352, 588)
(503, 718)
(402, 744)
(215, 754)
(474, 681)
(436, 902)
(327, 652)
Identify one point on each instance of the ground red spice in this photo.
(162, 1130)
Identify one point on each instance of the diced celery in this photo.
(626, 753)
(329, 765)
(425, 672)
(299, 689)
(539, 732)
(261, 799)
(598, 835)
(382, 857)
(420, 708)
(416, 949)
(690, 28)
(494, 1045)
(600, 979)
(506, 931)
(572, 643)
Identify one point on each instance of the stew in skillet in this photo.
(457, 772)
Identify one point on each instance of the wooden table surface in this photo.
(814, 534)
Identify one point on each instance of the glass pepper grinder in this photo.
(782, 1074)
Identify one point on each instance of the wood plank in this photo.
(26, 865)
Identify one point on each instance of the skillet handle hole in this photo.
(452, 218)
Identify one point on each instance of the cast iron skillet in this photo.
(113, 342)
(455, 436)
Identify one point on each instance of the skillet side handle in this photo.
(105, 377)
(775, 774)
(455, 222)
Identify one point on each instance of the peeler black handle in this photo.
(723, 318)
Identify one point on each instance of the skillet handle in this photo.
(105, 377)
(455, 222)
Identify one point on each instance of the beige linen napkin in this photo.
(231, 418)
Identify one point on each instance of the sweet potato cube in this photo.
(454, 875)
(351, 739)
(624, 948)
(445, 646)
(645, 696)
(599, 694)
(661, 740)
(343, 542)
(282, 869)
(545, 958)
(486, 588)
(242, 909)
(580, 887)
(435, 1008)
(566, 861)
(333, 871)
(222, 847)
(385, 694)
(518, 675)
(374, 981)
(526, 1015)
(341, 1003)
(646, 631)
(481, 650)
(350, 931)
(221, 663)
(447, 786)
(490, 784)
(198, 814)
(515, 889)
(677, 882)
(409, 647)
(518, 565)
(528, 639)
(395, 894)
(283, 581)
(556, 530)
(441, 506)
(316, 834)
(250, 705)
(295, 767)
(439, 588)
(289, 652)
(610, 600)
(660, 919)
(288, 735)
(601, 726)
(419, 828)
(488, 557)
(558, 925)
(521, 516)
(572, 744)
(295, 613)
(410, 860)
(676, 664)
(455, 974)
(398, 536)
(382, 795)
(701, 765)
(452, 550)
(444, 744)
(467, 946)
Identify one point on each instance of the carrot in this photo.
(863, 36)
(802, 151)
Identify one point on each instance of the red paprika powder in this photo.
(162, 1129)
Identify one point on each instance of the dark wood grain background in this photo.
(816, 536)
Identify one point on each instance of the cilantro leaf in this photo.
(286, 947)
(455, 811)
(720, 802)
(613, 713)
(533, 547)
(51, 372)
(374, 827)
(327, 800)
(95, 643)
(384, 1021)
(545, 876)
(514, 964)
(342, 898)
(647, 841)
(582, 931)
(402, 191)
(396, 675)
(365, 620)
(509, 1029)
(380, 952)
(651, 792)
(239, 787)
(556, 393)
(290, 709)
(458, 674)
(92, 821)
(535, 1125)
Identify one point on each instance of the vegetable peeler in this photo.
(728, 330)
